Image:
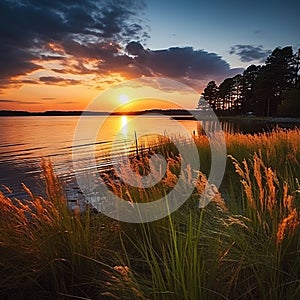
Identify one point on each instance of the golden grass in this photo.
(269, 208)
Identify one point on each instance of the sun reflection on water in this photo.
(124, 127)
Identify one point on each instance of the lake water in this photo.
(25, 140)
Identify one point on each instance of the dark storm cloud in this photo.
(27, 26)
(15, 61)
(94, 50)
(248, 53)
(179, 62)
(185, 62)
(54, 19)
(90, 37)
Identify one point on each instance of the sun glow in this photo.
(123, 98)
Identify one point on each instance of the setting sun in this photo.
(123, 98)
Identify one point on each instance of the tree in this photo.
(273, 79)
(290, 106)
(225, 93)
(297, 69)
(283, 65)
(247, 89)
(264, 93)
(237, 92)
(211, 94)
(261, 89)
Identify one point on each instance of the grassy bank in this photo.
(244, 245)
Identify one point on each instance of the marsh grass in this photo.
(48, 252)
(243, 245)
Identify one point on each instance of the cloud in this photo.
(58, 80)
(248, 53)
(8, 101)
(184, 63)
(18, 102)
(29, 26)
(91, 37)
(15, 61)
(67, 102)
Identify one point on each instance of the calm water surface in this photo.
(24, 141)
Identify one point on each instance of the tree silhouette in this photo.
(211, 94)
(225, 93)
(248, 79)
(261, 89)
(276, 77)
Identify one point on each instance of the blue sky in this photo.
(216, 26)
(59, 54)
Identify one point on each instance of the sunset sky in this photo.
(61, 54)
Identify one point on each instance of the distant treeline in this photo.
(20, 113)
(272, 89)
(168, 112)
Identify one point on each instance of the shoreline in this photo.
(287, 120)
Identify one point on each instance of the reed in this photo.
(48, 252)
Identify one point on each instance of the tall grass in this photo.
(48, 252)
(244, 245)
